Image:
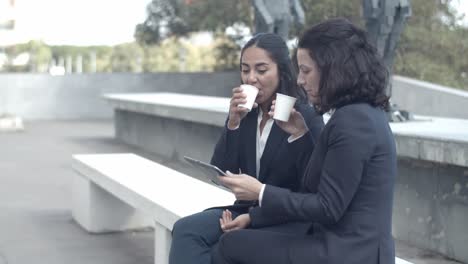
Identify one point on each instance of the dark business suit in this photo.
(347, 197)
(282, 164)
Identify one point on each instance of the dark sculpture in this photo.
(275, 16)
(385, 21)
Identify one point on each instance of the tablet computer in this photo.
(211, 171)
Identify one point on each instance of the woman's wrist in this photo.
(299, 133)
(232, 124)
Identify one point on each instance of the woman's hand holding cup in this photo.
(295, 126)
(237, 108)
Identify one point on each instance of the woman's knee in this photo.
(204, 224)
(230, 243)
(230, 248)
(182, 227)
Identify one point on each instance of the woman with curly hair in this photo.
(347, 189)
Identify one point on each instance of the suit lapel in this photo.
(275, 139)
(250, 146)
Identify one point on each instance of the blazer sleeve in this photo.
(306, 144)
(260, 218)
(313, 120)
(349, 145)
(303, 147)
(226, 152)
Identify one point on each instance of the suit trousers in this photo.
(194, 236)
(250, 246)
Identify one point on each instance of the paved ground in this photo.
(35, 220)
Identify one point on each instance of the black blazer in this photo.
(282, 163)
(347, 192)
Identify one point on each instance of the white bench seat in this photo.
(401, 261)
(116, 192)
(152, 195)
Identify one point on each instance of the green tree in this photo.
(434, 45)
(226, 54)
(126, 58)
(179, 18)
(39, 53)
(103, 55)
(40, 56)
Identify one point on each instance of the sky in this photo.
(462, 8)
(80, 22)
(91, 22)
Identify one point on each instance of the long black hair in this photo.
(278, 51)
(351, 70)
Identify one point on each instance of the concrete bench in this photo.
(401, 261)
(116, 192)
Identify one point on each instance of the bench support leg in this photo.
(98, 211)
(162, 244)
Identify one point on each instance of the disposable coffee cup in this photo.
(251, 92)
(283, 107)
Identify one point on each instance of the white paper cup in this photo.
(251, 92)
(283, 107)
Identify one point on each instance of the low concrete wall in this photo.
(426, 98)
(431, 207)
(41, 96)
(169, 138)
(170, 125)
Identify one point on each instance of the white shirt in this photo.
(262, 138)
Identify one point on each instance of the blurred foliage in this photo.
(103, 55)
(172, 54)
(177, 18)
(177, 55)
(126, 58)
(433, 46)
(39, 56)
(226, 53)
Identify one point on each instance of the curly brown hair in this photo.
(351, 71)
